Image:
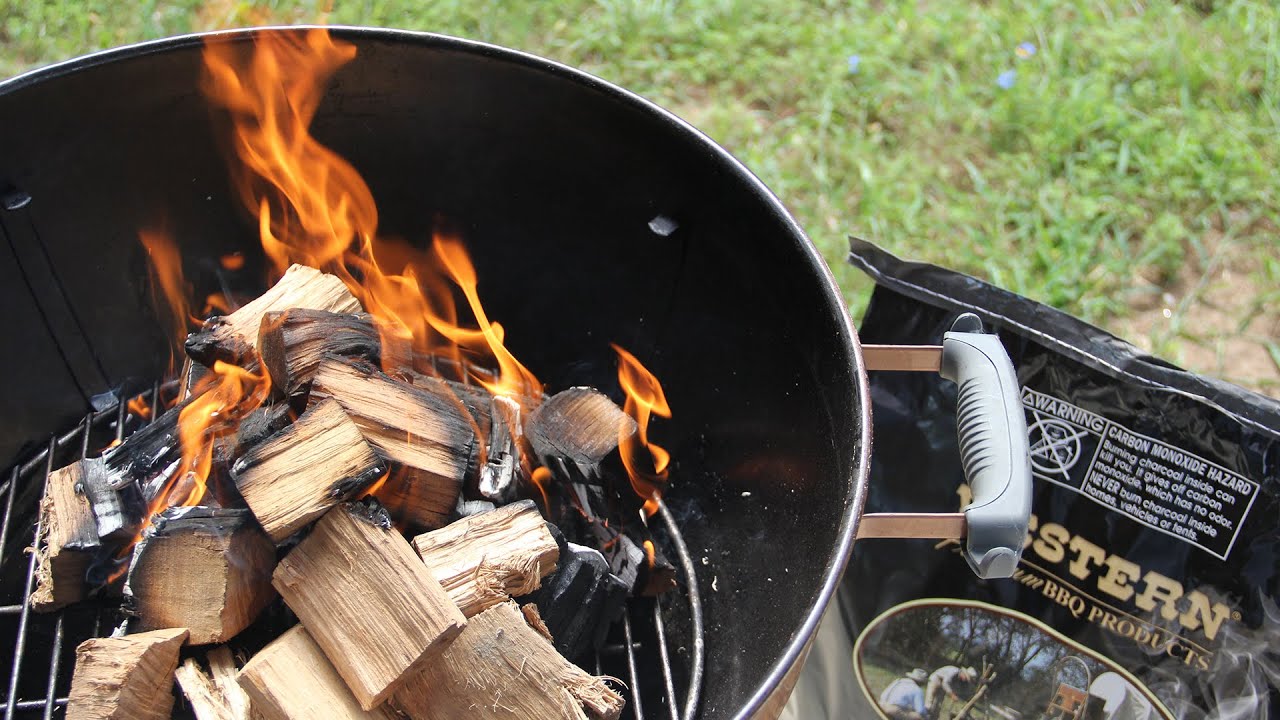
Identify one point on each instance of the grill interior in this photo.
(657, 647)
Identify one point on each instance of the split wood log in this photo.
(259, 425)
(233, 337)
(291, 679)
(216, 695)
(575, 430)
(296, 475)
(67, 542)
(148, 457)
(420, 431)
(293, 342)
(128, 677)
(502, 472)
(500, 666)
(484, 559)
(205, 569)
(115, 502)
(367, 600)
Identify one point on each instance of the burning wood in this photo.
(291, 679)
(293, 477)
(575, 430)
(419, 430)
(484, 559)
(125, 677)
(294, 342)
(367, 600)
(503, 470)
(232, 337)
(204, 569)
(216, 695)
(67, 542)
(502, 665)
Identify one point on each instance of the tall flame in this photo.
(314, 208)
(646, 462)
(166, 267)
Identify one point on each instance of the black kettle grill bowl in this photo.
(552, 178)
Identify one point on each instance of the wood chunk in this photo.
(291, 679)
(205, 569)
(296, 475)
(293, 342)
(67, 542)
(144, 456)
(502, 471)
(367, 600)
(259, 425)
(424, 433)
(128, 677)
(484, 559)
(216, 695)
(580, 427)
(233, 337)
(115, 502)
(500, 666)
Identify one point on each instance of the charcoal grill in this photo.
(580, 203)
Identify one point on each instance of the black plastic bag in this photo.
(1150, 580)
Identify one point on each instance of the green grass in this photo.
(1127, 176)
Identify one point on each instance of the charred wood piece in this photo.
(234, 337)
(580, 600)
(501, 475)
(485, 559)
(576, 430)
(291, 679)
(296, 475)
(204, 569)
(292, 343)
(424, 434)
(125, 677)
(501, 664)
(368, 601)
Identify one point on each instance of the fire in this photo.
(645, 398)
(314, 208)
(166, 266)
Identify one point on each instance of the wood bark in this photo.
(232, 338)
(125, 678)
(501, 667)
(296, 475)
(291, 679)
(420, 431)
(67, 542)
(484, 559)
(205, 569)
(367, 600)
(293, 342)
(215, 695)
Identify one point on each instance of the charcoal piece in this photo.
(580, 601)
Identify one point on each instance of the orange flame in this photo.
(166, 267)
(540, 477)
(138, 406)
(645, 398)
(314, 208)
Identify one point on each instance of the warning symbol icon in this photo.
(1055, 447)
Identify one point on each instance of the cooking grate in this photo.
(38, 679)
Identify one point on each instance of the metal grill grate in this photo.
(39, 676)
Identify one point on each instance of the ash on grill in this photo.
(303, 461)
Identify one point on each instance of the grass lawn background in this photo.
(1115, 160)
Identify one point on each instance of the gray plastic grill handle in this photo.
(993, 447)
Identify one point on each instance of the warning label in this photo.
(1155, 483)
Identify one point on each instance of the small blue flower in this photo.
(854, 62)
(1007, 78)
(1025, 50)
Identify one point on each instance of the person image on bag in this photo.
(944, 683)
(904, 699)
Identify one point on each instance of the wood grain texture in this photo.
(578, 424)
(214, 695)
(368, 601)
(294, 476)
(293, 342)
(128, 677)
(68, 539)
(232, 337)
(482, 560)
(423, 432)
(500, 667)
(211, 575)
(291, 679)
